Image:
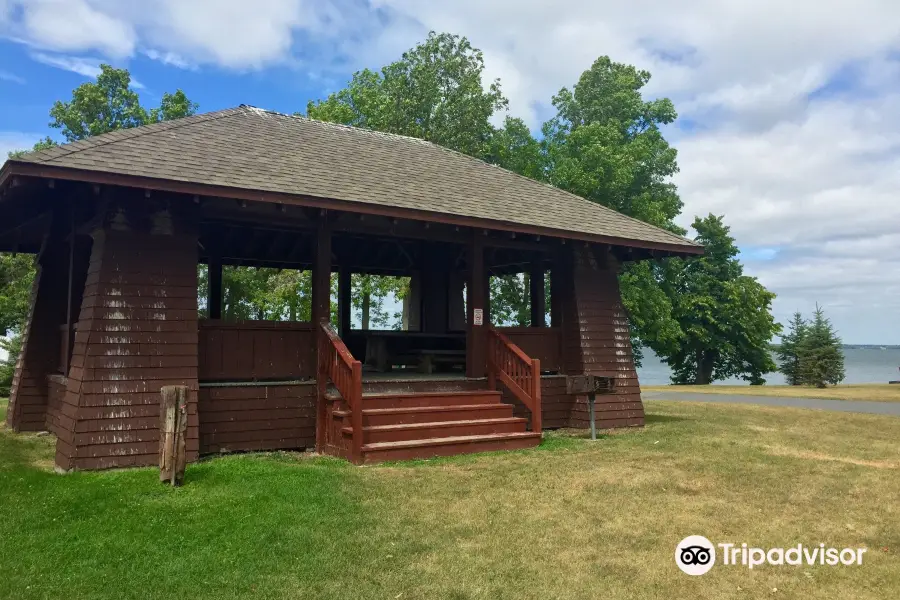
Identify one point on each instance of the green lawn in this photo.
(572, 519)
(873, 392)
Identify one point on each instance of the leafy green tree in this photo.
(434, 92)
(605, 144)
(515, 149)
(109, 104)
(789, 350)
(821, 356)
(725, 316)
(16, 276)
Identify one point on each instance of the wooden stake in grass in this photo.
(172, 429)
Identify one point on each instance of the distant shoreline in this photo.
(856, 346)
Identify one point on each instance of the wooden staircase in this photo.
(377, 424)
(410, 425)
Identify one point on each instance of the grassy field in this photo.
(876, 392)
(571, 519)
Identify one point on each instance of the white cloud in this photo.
(791, 104)
(86, 67)
(11, 77)
(76, 25)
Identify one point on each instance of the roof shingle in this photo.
(253, 149)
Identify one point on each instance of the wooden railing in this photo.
(336, 364)
(520, 373)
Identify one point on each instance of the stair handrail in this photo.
(520, 373)
(336, 364)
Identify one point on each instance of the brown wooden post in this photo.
(476, 340)
(321, 273)
(344, 305)
(538, 302)
(556, 292)
(173, 427)
(214, 290)
(536, 417)
(321, 312)
(70, 307)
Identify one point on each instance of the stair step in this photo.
(428, 414)
(422, 399)
(448, 446)
(439, 429)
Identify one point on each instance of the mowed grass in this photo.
(875, 392)
(571, 519)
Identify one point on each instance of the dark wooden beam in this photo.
(476, 296)
(214, 289)
(321, 273)
(557, 290)
(345, 308)
(70, 323)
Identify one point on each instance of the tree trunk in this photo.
(366, 305)
(705, 362)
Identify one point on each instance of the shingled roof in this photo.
(246, 148)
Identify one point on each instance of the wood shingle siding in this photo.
(136, 332)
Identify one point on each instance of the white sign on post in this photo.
(478, 318)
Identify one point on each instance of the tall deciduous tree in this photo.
(725, 316)
(789, 351)
(434, 92)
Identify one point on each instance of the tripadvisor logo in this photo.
(696, 555)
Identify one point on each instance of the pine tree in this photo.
(789, 352)
(821, 357)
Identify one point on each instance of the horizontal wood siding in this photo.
(255, 350)
(136, 332)
(257, 417)
(542, 343)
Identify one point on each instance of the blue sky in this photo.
(787, 109)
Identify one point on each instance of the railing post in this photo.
(491, 358)
(536, 395)
(321, 386)
(356, 412)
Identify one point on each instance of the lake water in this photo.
(861, 365)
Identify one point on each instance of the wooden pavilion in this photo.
(120, 222)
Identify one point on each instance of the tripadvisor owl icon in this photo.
(695, 555)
